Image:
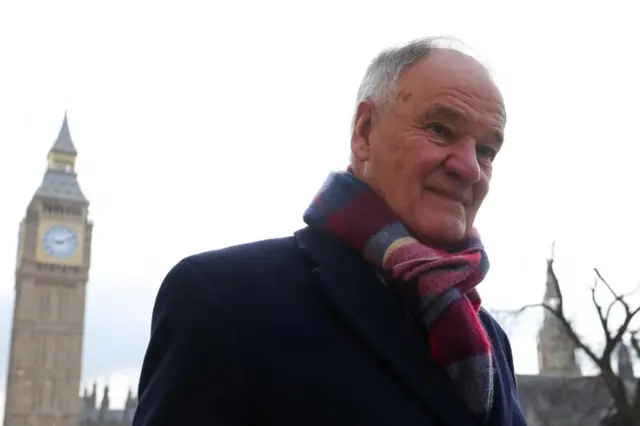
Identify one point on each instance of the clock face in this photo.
(60, 241)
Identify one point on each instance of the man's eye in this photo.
(486, 152)
(439, 129)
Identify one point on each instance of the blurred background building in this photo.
(52, 270)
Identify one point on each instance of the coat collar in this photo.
(370, 309)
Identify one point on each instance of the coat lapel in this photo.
(375, 315)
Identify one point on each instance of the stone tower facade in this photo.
(556, 350)
(52, 269)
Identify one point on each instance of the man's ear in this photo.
(360, 147)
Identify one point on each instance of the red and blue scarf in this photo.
(437, 285)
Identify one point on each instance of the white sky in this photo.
(203, 126)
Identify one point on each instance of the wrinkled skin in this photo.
(429, 152)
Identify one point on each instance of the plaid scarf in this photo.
(438, 286)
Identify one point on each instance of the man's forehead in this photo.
(449, 61)
(445, 69)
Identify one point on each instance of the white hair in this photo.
(380, 81)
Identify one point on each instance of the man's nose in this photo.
(463, 160)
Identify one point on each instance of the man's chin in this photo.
(443, 232)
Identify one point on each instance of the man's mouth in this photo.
(457, 196)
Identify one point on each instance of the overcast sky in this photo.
(202, 126)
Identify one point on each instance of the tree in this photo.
(625, 401)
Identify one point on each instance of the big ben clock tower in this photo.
(52, 270)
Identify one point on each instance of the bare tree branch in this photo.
(615, 339)
(624, 408)
(566, 325)
(603, 318)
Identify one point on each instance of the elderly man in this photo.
(370, 314)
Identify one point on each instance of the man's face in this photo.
(429, 152)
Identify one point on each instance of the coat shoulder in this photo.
(250, 260)
(492, 324)
(246, 276)
(496, 332)
(500, 341)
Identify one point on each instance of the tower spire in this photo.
(551, 289)
(60, 180)
(625, 364)
(64, 143)
(556, 350)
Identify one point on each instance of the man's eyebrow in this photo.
(440, 110)
(445, 111)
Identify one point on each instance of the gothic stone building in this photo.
(52, 270)
(560, 395)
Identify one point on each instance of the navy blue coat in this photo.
(297, 331)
